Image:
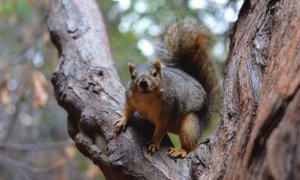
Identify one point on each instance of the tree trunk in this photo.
(258, 136)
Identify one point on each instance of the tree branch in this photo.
(260, 111)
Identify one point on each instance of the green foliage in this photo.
(123, 56)
(174, 139)
(19, 7)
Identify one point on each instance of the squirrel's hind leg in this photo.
(189, 136)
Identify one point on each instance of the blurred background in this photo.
(34, 143)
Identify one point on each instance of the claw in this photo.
(116, 122)
(177, 153)
(153, 147)
(120, 125)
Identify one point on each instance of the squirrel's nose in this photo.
(143, 84)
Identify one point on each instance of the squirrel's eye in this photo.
(154, 74)
(132, 77)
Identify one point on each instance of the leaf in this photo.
(92, 171)
(40, 84)
(5, 97)
(70, 152)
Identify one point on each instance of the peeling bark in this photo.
(258, 136)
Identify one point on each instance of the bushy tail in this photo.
(186, 44)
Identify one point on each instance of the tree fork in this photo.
(258, 136)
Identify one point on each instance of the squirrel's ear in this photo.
(131, 67)
(157, 65)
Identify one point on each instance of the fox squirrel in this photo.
(179, 94)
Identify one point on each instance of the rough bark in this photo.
(258, 136)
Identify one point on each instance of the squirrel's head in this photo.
(145, 78)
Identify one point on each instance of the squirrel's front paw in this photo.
(153, 147)
(120, 124)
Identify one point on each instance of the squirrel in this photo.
(177, 93)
